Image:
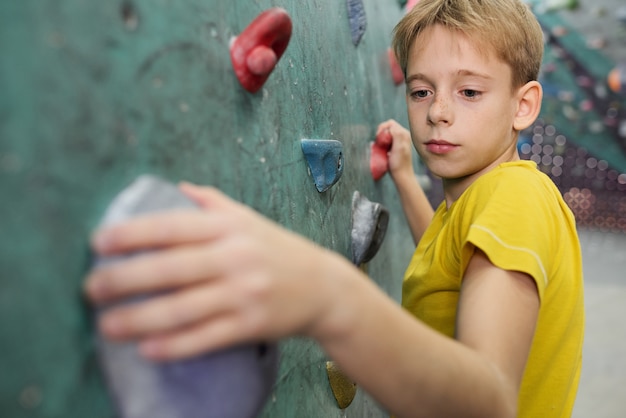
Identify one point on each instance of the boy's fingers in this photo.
(218, 333)
(157, 230)
(385, 125)
(166, 313)
(206, 197)
(156, 271)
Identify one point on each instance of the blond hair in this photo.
(508, 27)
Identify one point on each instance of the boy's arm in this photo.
(497, 314)
(415, 204)
(417, 372)
(236, 277)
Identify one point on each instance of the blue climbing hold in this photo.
(325, 159)
(358, 20)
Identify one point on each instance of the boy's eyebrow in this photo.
(462, 72)
(417, 76)
(469, 73)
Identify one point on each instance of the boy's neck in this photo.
(454, 188)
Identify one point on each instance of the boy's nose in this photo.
(439, 111)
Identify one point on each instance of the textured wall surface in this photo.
(94, 93)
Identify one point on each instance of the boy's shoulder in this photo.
(517, 184)
(521, 169)
(519, 174)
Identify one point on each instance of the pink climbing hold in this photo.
(379, 160)
(410, 4)
(255, 52)
(396, 72)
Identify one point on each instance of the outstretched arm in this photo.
(234, 276)
(415, 204)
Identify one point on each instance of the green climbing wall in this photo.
(94, 93)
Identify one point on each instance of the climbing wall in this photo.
(95, 93)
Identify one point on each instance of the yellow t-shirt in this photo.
(516, 216)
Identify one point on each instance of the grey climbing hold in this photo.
(234, 382)
(369, 225)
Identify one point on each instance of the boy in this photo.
(495, 282)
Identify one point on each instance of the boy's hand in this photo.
(415, 204)
(400, 154)
(228, 275)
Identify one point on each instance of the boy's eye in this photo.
(420, 94)
(470, 93)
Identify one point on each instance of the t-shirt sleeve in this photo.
(510, 221)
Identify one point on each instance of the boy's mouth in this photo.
(438, 146)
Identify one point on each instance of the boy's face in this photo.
(460, 106)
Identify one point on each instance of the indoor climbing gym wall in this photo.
(274, 102)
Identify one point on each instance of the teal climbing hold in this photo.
(325, 160)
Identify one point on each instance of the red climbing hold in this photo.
(396, 72)
(379, 161)
(255, 52)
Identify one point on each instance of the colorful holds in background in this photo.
(617, 79)
(255, 52)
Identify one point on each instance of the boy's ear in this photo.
(528, 105)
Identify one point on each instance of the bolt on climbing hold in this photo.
(358, 20)
(129, 15)
(379, 161)
(325, 160)
(185, 388)
(369, 226)
(255, 52)
(343, 388)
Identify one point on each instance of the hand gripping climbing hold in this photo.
(325, 160)
(379, 161)
(234, 382)
(369, 226)
(255, 52)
